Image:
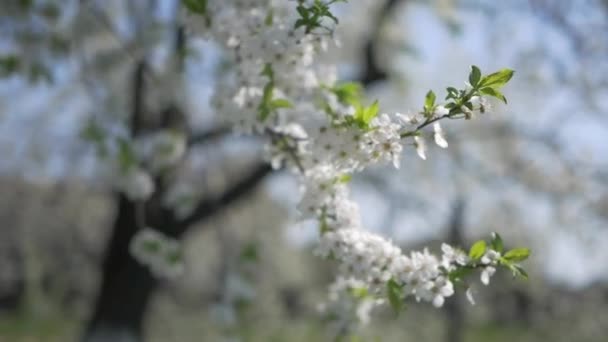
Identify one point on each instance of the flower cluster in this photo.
(160, 253)
(324, 132)
(347, 299)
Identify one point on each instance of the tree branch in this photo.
(371, 72)
(209, 207)
(138, 96)
(206, 136)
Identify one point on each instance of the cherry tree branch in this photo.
(209, 135)
(211, 206)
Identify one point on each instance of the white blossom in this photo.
(440, 111)
(160, 253)
(486, 274)
(490, 257)
(438, 135)
(420, 147)
(453, 256)
(469, 295)
(137, 184)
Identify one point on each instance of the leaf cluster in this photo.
(269, 105)
(312, 16)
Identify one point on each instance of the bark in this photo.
(454, 309)
(126, 286)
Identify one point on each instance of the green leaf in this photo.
(9, 65)
(518, 271)
(265, 108)
(517, 254)
(359, 292)
(126, 156)
(459, 273)
(496, 243)
(196, 6)
(494, 93)
(429, 101)
(174, 257)
(92, 132)
(394, 293)
(452, 93)
(348, 93)
(299, 23)
(364, 115)
(497, 79)
(95, 135)
(474, 76)
(38, 72)
(151, 246)
(311, 17)
(250, 253)
(345, 178)
(269, 18)
(477, 250)
(371, 112)
(280, 103)
(268, 72)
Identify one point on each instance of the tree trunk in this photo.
(454, 310)
(126, 285)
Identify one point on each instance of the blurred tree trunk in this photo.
(126, 285)
(454, 309)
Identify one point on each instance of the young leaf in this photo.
(497, 79)
(474, 76)
(494, 93)
(348, 93)
(268, 72)
(364, 115)
(477, 250)
(345, 178)
(196, 6)
(9, 65)
(269, 20)
(280, 103)
(459, 273)
(519, 271)
(359, 292)
(452, 93)
(371, 112)
(517, 254)
(496, 243)
(265, 108)
(126, 155)
(429, 101)
(151, 246)
(394, 293)
(250, 253)
(174, 257)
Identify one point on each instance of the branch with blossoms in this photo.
(325, 133)
(421, 275)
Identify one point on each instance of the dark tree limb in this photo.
(137, 110)
(126, 286)
(209, 207)
(371, 72)
(454, 310)
(209, 135)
